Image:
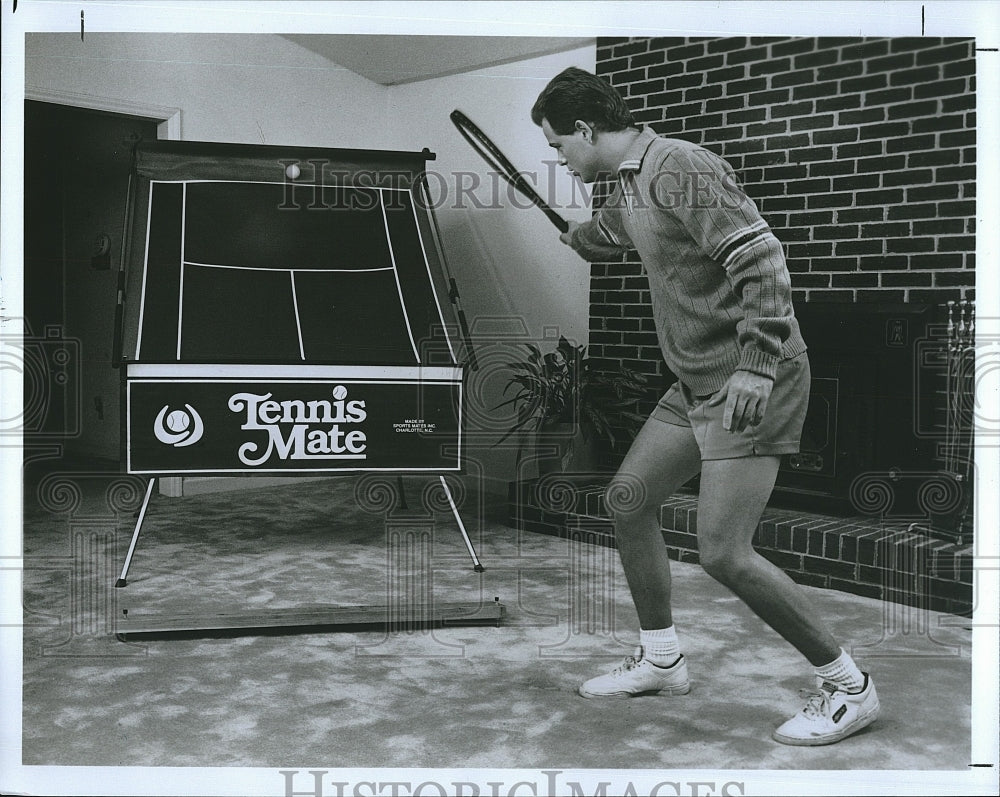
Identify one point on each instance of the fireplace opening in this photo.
(878, 412)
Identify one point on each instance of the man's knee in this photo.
(724, 563)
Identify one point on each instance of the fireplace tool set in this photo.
(949, 510)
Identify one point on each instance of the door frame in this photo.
(168, 128)
(168, 119)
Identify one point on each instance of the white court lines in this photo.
(180, 296)
(298, 320)
(291, 270)
(427, 263)
(399, 287)
(145, 271)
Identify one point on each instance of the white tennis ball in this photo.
(178, 421)
(340, 392)
(293, 171)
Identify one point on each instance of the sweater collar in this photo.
(637, 151)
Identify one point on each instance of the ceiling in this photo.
(391, 60)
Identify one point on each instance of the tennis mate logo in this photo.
(301, 430)
(178, 428)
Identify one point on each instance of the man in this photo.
(721, 299)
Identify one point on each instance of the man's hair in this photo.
(575, 94)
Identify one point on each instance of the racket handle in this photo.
(525, 188)
(561, 224)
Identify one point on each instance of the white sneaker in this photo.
(637, 676)
(830, 714)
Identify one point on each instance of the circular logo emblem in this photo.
(178, 428)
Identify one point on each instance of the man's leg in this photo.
(662, 458)
(733, 495)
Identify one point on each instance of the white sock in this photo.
(843, 672)
(660, 645)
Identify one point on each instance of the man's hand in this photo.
(746, 395)
(567, 236)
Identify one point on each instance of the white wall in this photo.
(247, 89)
(507, 258)
(517, 280)
(514, 275)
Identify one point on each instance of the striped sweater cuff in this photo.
(758, 362)
(591, 240)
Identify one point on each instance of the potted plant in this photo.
(568, 404)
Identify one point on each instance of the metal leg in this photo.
(139, 624)
(121, 582)
(461, 527)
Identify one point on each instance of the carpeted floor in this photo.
(467, 697)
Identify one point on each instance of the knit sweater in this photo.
(720, 289)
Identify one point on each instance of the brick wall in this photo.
(860, 154)
(865, 557)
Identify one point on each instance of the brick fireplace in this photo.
(860, 154)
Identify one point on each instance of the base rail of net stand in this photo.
(137, 624)
(396, 617)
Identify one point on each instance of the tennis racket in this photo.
(491, 153)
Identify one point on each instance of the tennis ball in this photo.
(178, 421)
(293, 171)
(339, 392)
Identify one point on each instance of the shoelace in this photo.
(817, 703)
(630, 663)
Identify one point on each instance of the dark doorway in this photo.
(76, 166)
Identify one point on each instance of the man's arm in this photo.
(599, 239)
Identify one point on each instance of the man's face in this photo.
(574, 151)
